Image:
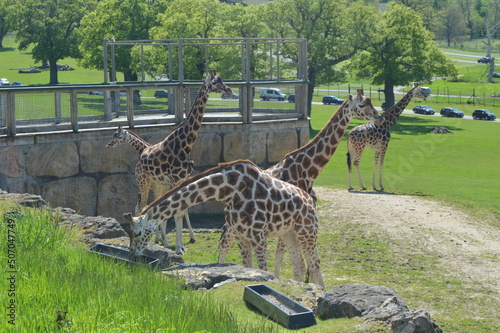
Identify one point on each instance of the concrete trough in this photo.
(279, 307)
(120, 254)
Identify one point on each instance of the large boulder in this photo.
(374, 303)
(354, 300)
(206, 276)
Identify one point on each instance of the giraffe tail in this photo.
(349, 161)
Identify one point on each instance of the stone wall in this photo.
(75, 170)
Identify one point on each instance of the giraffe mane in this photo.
(194, 178)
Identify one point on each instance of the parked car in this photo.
(332, 100)
(423, 109)
(496, 74)
(291, 98)
(496, 95)
(161, 94)
(484, 60)
(386, 105)
(232, 96)
(272, 93)
(483, 114)
(451, 112)
(4, 82)
(16, 84)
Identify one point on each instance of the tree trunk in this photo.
(389, 93)
(131, 76)
(53, 71)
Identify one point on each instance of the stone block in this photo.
(78, 193)
(118, 194)
(12, 162)
(56, 159)
(280, 143)
(95, 157)
(207, 150)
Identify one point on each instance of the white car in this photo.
(4, 82)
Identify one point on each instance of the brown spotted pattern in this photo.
(165, 164)
(376, 136)
(259, 206)
(302, 166)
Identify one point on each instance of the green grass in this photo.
(52, 274)
(462, 167)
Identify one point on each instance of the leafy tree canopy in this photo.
(402, 52)
(50, 26)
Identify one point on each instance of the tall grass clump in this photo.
(62, 287)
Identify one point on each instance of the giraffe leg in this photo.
(299, 268)
(381, 168)
(190, 229)
(259, 244)
(246, 252)
(356, 164)
(376, 160)
(225, 243)
(179, 246)
(278, 259)
(310, 251)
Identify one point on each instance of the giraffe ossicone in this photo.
(260, 207)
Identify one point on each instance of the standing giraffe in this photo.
(376, 136)
(165, 164)
(303, 165)
(260, 207)
(122, 136)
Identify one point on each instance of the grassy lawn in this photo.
(462, 167)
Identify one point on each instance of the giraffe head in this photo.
(119, 137)
(214, 83)
(362, 107)
(139, 229)
(418, 92)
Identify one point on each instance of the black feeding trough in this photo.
(120, 254)
(279, 307)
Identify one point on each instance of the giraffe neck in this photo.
(313, 156)
(190, 127)
(392, 114)
(137, 142)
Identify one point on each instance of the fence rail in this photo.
(76, 107)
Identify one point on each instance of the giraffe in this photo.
(165, 164)
(260, 205)
(122, 136)
(376, 136)
(303, 165)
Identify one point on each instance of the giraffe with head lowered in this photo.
(376, 136)
(303, 165)
(260, 207)
(165, 164)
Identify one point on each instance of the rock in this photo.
(166, 257)
(354, 300)
(30, 200)
(386, 310)
(57, 160)
(206, 276)
(107, 227)
(414, 321)
(76, 192)
(118, 194)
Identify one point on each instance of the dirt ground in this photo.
(467, 246)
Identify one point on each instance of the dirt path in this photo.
(466, 245)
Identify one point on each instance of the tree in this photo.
(335, 31)
(50, 26)
(119, 19)
(190, 19)
(453, 23)
(403, 52)
(4, 25)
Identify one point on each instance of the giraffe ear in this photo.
(350, 97)
(360, 92)
(127, 226)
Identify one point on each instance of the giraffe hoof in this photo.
(364, 188)
(192, 240)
